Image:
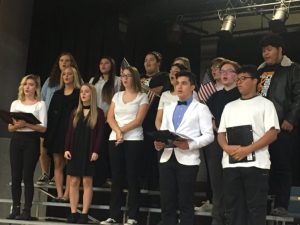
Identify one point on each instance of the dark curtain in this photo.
(90, 29)
(87, 29)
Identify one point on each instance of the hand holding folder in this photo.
(8, 117)
(168, 137)
(243, 136)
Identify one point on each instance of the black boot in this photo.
(25, 215)
(83, 219)
(14, 213)
(72, 218)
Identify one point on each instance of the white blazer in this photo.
(196, 124)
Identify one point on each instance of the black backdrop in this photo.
(90, 29)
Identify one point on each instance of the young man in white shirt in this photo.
(246, 166)
(179, 165)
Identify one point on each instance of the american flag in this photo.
(207, 88)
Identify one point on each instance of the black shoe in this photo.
(25, 215)
(73, 218)
(83, 219)
(107, 183)
(43, 179)
(14, 213)
(279, 211)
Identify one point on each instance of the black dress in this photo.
(80, 164)
(60, 109)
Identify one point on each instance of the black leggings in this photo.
(24, 154)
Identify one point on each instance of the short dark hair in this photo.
(274, 40)
(250, 69)
(188, 74)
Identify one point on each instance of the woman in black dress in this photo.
(82, 147)
(63, 102)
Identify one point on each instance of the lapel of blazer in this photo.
(170, 116)
(187, 114)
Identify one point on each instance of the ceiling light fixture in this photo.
(280, 15)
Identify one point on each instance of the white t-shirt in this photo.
(167, 98)
(126, 112)
(99, 86)
(258, 112)
(39, 110)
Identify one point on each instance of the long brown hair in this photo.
(108, 89)
(54, 78)
(93, 114)
(135, 79)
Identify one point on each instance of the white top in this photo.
(196, 124)
(99, 86)
(38, 109)
(126, 112)
(258, 112)
(167, 98)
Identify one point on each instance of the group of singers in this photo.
(111, 115)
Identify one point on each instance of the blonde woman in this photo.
(25, 144)
(63, 102)
(82, 146)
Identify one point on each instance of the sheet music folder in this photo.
(240, 135)
(8, 117)
(167, 137)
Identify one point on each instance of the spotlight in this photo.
(228, 23)
(280, 15)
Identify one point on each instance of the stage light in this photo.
(280, 15)
(228, 24)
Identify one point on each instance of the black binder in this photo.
(240, 135)
(8, 117)
(167, 137)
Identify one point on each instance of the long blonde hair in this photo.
(37, 81)
(93, 114)
(76, 79)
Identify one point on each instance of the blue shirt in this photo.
(47, 92)
(179, 112)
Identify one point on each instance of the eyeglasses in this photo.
(125, 76)
(227, 72)
(242, 78)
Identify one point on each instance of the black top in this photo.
(60, 109)
(219, 99)
(159, 79)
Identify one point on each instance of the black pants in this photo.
(245, 195)
(125, 161)
(177, 184)
(281, 168)
(24, 154)
(214, 154)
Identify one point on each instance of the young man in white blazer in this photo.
(179, 165)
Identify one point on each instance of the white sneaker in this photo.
(205, 207)
(109, 221)
(131, 222)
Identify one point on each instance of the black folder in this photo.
(8, 117)
(167, 137)
(240, 135)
